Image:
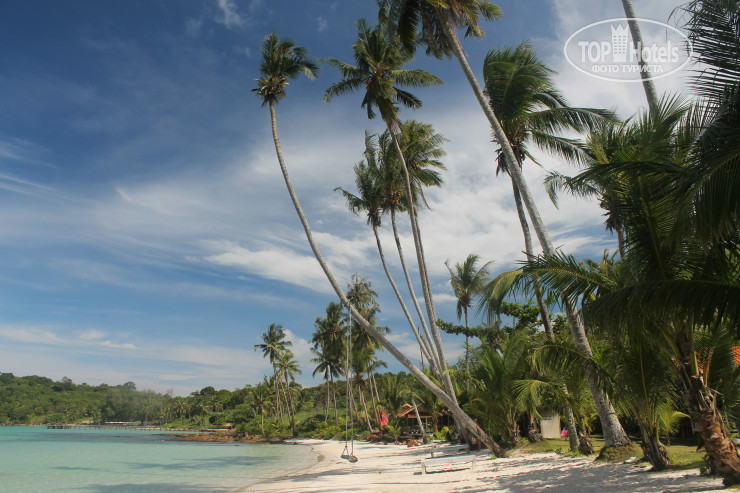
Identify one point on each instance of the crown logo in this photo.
(620, 41)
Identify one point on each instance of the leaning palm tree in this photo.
(273, 345)
(532, 111)
(467, 281)
(421, 148)
(370, 199)
(434, 24)
(378, 70)
(279, 63)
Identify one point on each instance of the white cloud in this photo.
(228, 14)
(272, 263)
(323, 24)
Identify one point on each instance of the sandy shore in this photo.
(396, 468)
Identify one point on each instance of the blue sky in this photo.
(145, 231)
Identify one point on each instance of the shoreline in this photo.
(397, 468)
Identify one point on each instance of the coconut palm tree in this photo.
(378, 69)
(605, 140)
(279, 61)
(496, 371)
(272, 347)
(329, 348)
(467, 281)
(531, 110)
(371, 201)
(288, 368)
(434, 24)
(674, 285)
(712, 187)
(261, 399)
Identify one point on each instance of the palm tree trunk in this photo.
(620, 240)
(418, 419)
(467, 351)
(328, 400)
(371, 378)
(573, 441)
(434, 360)
(334, 395)
(701, 403)
(647, 81)
(262, 422)
(277, 393)
(460, 416)
(363, 401)
(424, 349)
(292, 408)
(654, 451)
(425, 286)
(614, 434)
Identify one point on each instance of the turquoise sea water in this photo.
(34, 459)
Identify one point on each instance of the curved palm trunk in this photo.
(462, 418)
(654, 451)
(425, 286)
(433, 362)
(701, 403)
(371, 381)
(573, 441)
(418, 419)
(334, 396)
(647, 81)
(363, 401)
(614, 434)
(620, 242)
(422, 343)
(292, 408)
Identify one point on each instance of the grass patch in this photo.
(556, 445)
(685, 456)
(620, 454)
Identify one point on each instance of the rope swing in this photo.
(349, 445)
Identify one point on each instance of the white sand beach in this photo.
(396, 468)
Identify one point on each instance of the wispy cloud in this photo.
(323, 24)
(273, 263)
(228, 14)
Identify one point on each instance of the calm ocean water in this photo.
(34, 459)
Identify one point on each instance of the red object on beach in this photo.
(383, 418)
(564, 433)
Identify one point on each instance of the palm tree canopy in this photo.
(369, 198)
(467, 280)
(529, 106)
(378, 61)
(273, 343)
(282, 61)
(421, 22)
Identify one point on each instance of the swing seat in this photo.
(350, 458)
